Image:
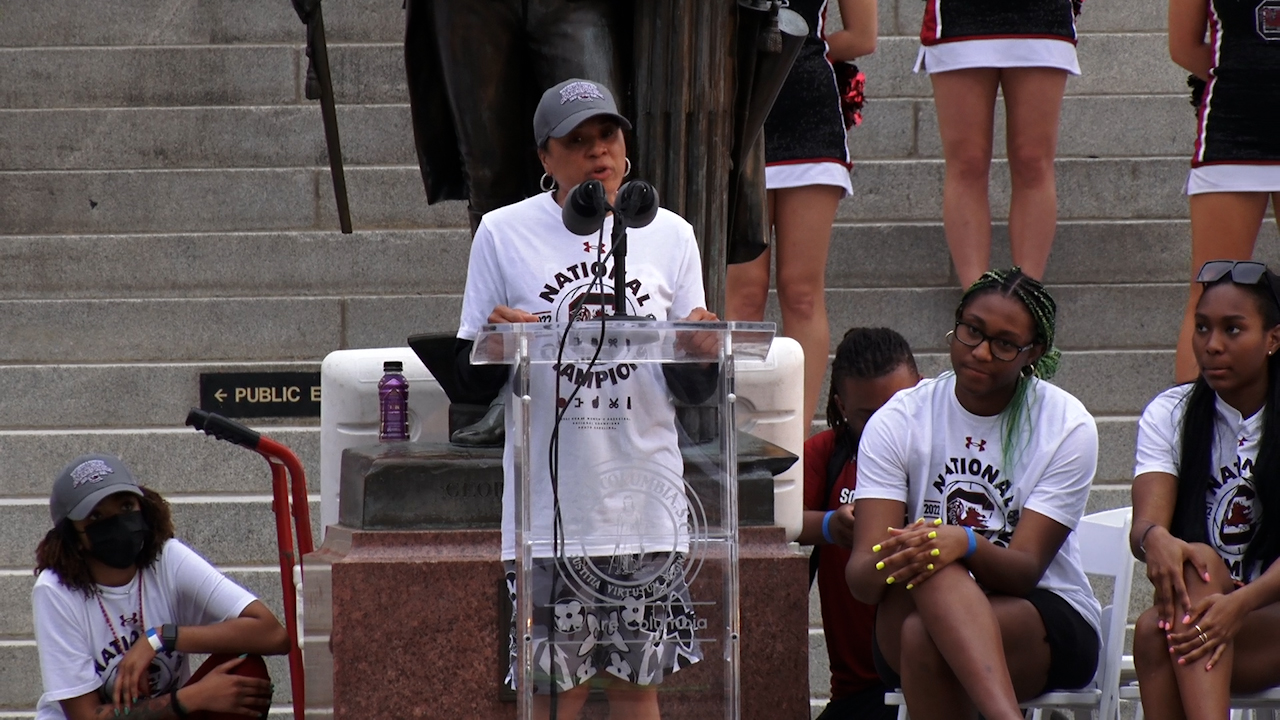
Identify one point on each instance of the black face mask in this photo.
(117, 540)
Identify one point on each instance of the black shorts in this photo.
(1073, 645)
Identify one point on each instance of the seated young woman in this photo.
(1205, 497)
(119, 604)
(982, 599)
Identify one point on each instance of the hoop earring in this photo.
(1028, 370)
(628, 171)
(951, 335)
(547, 187)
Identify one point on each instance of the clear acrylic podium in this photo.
(625, 509)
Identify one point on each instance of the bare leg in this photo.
(965, 101)
(960, 649)
(1224, 226)
(802, 220)
(1032, 101)
(632, 702)
(1154, 666)
(1199, 694)
(747, 289)
(568, 704)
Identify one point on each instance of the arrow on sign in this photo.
(221, 395)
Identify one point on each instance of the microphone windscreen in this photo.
(636, 203)
(585, 208)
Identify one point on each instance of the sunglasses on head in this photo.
(1241, 272)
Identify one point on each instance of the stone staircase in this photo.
(166, 210)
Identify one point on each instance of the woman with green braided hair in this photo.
(982, 600)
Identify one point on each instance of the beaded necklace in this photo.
(110, 625)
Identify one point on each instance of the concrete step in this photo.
(213, 137)
(373, 73)
(292, 135)
(1113, 188)
(173, 460)
(287, 328)
(1136, 126)
(196, 75)
(868, 255)
(1110, 63)
(178, 201)
(213, 329)
(187, 22)
(406, 262)
(94, 398)
(282, 264)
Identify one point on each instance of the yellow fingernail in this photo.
(909, 586)
(889, 581)
(920, 520)
(890, 528)
(937, 521)
(880, 565)
(935, 552)
(933, 534)
(875, 548)
(929, 566)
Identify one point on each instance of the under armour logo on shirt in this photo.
(970, 442)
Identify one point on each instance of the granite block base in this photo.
(407, 624)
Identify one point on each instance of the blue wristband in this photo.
(973, 542)
(826, 527)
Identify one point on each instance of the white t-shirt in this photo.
(924, 449)
(79, 653)
(621, 488)
(1231, 503)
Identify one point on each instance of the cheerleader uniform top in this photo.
(961, 34)
(1242, 98)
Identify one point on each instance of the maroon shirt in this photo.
(846, 622)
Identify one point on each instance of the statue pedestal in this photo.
(411, 621)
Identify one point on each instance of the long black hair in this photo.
(1196, 463)
(864, 354)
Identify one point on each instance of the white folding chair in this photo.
(1104, 550)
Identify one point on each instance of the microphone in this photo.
(585, 208)
(636, 204)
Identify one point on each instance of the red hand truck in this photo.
(287, 479)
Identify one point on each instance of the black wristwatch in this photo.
(169, 637)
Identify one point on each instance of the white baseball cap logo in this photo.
(584, 91)
(90, 471)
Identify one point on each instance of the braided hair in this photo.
(1012, 282)
(864, 354)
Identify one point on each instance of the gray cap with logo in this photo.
(567, 105)
(86, 482)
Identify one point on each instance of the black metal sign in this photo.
(261, 394)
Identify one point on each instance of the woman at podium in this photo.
(597, 534)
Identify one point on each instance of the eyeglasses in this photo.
(1241, 272)
(1000, 349)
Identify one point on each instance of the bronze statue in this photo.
(706, 73)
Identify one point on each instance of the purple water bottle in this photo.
(393, 400)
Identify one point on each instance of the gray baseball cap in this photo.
(565, 107)
(85, 482)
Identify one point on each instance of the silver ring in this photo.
(1197, 627)
(1203, 640)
